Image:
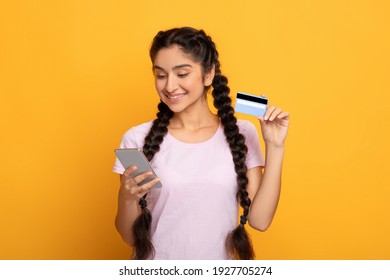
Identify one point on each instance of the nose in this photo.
(171, 85)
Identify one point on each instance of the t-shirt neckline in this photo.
(174, 139)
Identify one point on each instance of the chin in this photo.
(176, 108)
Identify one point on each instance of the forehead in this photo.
(168, 58)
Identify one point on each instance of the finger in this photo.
(139, 193)
(261, 119)
(142, 177)
(263, 123)
(126, 180)
(275, 113)
(268, 112)
(284, 119)
(284, 115)
(147, 186)
(129, 170)
(131, 190)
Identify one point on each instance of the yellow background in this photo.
(75, 75)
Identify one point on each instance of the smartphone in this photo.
(130, 157)
(251, 104)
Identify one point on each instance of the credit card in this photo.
(251, 104)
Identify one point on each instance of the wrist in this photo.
(274, 146)
(274, 155)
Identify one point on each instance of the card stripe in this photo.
(250, 103)
(252, 98)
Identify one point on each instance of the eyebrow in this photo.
(173, 68)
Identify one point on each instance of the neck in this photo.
(194, 118)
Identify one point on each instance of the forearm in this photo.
(266, 200)
(128, 212)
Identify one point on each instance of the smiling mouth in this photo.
(176, 96)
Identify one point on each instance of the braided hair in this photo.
(143, 247)
(202, 50)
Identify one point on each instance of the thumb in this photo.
(261, 119)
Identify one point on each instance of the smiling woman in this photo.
(208, 164)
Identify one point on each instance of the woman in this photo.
(207, 163)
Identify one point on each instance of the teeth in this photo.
(175, 96)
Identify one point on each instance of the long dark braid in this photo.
(202, 50)
(143, 247)
(238, 242)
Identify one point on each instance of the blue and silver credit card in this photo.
(251, 104)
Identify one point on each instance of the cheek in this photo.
(159, 85)
(196, 83)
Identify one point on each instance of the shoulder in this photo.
(255, 155)
(246, 126)
(135, 135)
(249, 131)
(141, 129)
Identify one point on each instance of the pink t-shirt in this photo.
(196, 207)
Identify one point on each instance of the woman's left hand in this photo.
(274, 126)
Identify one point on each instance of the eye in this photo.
(183, 75)
(160, 76)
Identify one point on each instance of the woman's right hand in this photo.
(129, 186)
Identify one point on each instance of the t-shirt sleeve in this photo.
(255, 156)
(128, 141)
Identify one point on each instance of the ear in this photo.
(208, 78)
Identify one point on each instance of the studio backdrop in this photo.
(75, 75)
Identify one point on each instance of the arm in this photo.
(264, 189)
(128, 198)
